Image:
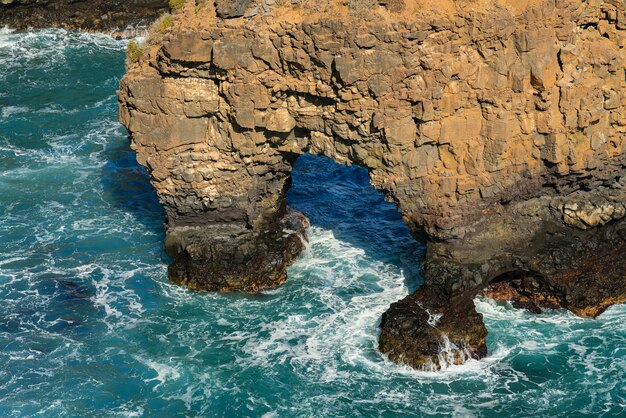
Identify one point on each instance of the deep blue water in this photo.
(89, 325)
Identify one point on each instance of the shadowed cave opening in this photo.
(524, 290)
(341, 199)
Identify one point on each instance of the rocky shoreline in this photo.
(498, 130)
(115, 17)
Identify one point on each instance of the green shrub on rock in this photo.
(158, 29)
(133, 52)
(176, 4)
(165, 23)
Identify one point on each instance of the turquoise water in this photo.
(89, 325)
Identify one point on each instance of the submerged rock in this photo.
(427, 330)
(499, 130)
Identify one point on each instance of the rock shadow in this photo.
(127, 186)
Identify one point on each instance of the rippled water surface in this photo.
(89, 325)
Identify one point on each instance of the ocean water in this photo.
(90, 326)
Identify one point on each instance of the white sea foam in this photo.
(164, 372)
(11, 260)
(347, 327)
(9, 111)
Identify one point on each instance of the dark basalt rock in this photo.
(91, 15)
(582, 271)
(524, 291)
(426, 328)
(231, 8)
(226, 258)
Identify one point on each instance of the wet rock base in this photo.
(427, 330)
(227, 258)
(581, 271)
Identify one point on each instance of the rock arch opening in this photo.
(341, 199)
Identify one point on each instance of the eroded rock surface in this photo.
(499, 133)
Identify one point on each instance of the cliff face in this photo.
(79, 14)
(499, 133)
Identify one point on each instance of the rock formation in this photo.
(498, 128)
(105, 15)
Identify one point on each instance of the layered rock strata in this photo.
(107, 15)
(499, 133)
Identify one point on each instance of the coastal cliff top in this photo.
(362, 16)
(275, 12)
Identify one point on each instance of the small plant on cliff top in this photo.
(133, 52)
(158, 29)
(165, 23)
(176, 4)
